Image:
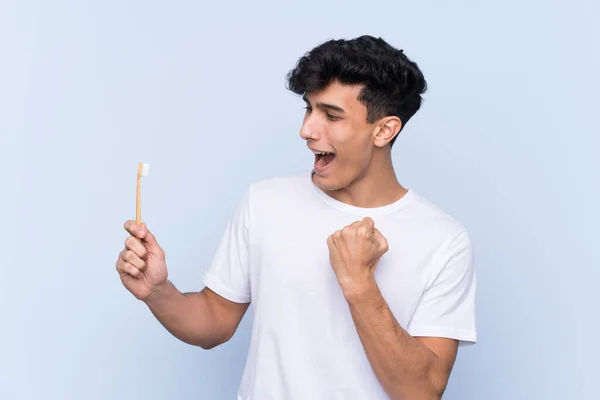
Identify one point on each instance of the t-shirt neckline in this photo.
(361, 211)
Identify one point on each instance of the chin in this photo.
(330, 182)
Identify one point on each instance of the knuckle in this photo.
(384, 245)
(129, 242)
(128, 225)
(131, 270)
(128, 256)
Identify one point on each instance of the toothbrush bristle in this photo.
(145, 169)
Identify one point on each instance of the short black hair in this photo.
(392, 84)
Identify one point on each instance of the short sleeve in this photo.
(447, 307)
(229, 272)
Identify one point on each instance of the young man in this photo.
(361, 289)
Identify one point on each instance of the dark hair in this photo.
(392, 84)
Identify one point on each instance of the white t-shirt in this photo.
(304, 344)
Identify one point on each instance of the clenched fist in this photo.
(141, 265)
(354, 252)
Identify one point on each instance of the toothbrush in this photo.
(143, 170)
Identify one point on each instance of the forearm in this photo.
(188, 316)
(406, 368)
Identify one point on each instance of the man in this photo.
(361, 289)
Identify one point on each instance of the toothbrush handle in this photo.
(138, 202)
(138, 206)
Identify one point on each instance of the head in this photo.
(359, 95)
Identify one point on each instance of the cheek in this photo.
(353, 147)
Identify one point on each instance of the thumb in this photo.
(369, 223)
(148, 239)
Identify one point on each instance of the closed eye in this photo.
(330, 117)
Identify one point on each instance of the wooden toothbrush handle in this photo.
(138, 201)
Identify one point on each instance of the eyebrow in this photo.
(331, 107)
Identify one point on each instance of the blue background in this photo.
(506, 142)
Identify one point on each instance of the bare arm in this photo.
(407, 367)
(202, 319)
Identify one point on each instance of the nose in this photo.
(310, 130)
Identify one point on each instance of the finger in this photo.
(125, 268)
(337, 235)
(368, 223)
(365, 231)
(330, 241)
(129, 269)
(134, 244)
(149, 240)
(366, 227)
(133, 228)
(132, 258)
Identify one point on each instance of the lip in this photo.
(319, 151)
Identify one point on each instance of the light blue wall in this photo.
(506, 141)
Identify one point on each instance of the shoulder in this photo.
(264, 199)
(279, 187)
(432, 215)
(432, 223)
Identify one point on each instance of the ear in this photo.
(386, 130)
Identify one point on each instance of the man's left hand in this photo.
(354, 252)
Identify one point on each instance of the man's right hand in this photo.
(141, 265)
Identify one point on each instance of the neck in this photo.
(378, 186)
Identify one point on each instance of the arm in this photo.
(202, 319)
(407, 368)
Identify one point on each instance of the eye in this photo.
(308, 109)
(332, 117)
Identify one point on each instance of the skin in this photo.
(361, 175)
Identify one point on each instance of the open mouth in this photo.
(323, 159)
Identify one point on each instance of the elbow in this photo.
(207, 345)
(436, 384)
(214, 342)
(431, 386)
